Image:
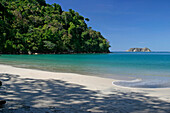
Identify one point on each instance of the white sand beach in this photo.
(29, 90)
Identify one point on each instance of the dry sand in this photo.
(28, 90)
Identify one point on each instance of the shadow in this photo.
(25, 95)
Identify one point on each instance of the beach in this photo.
(74, 57)
(29, 90)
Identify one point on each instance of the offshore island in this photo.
(52, 83)
(139, 50)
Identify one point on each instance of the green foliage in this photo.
(87, 19)
(34, 26)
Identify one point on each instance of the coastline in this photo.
(102, 87)
(55, 53)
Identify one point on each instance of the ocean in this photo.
(142, 70)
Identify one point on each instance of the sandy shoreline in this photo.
(65, 92)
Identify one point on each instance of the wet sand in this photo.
(29, 90)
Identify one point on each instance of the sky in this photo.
(126, 23)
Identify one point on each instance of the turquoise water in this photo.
(151, 69)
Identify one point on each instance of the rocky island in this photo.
(139, 50)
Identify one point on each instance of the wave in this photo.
(139, 83)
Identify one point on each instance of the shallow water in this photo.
(152, 68)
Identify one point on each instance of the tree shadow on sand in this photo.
(25, 95)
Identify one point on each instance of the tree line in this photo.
(33, 26)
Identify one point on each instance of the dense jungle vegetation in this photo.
(33, 26)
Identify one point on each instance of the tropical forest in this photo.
(33, 26)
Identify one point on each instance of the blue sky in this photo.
(126, 23)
